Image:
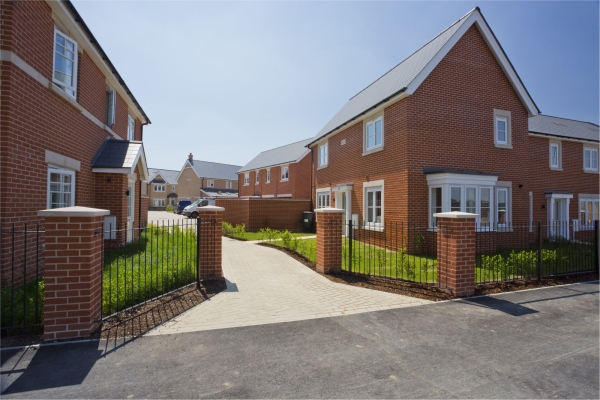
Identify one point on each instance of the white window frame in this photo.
(375, 146)
(323, 155)
(590, 150)
(159, 202)
(52, 169)
(111, 106)
(130, 128)
(172, 188)
(323, 198)
(228, 185)
(61, 85)
(268, 175)
(159, 187)
(257, 177)
(583, 210)
(446, 181)
(210, 183)
(558, 165)
(497, 208)
(371, 187)
(504, 116)
(246, 178)
(285, 173)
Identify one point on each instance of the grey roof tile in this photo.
(280, 155)
(117, 154)
(168, 175)
(561, 127)
(207, 169)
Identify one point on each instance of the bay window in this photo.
(588, 212)
(476, 194)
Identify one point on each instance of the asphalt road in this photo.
(532, 344)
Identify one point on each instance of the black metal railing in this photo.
(22, 281)
(145, 263)
(394, 250)
(516, 251)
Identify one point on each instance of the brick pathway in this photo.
(266, 286)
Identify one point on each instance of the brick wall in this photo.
(277, 214)
(298, 184)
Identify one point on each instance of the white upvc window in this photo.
(374, 134)
(210, 183)
(130, 128)
(228, 185)
(257, 177)
(159, 187)
(65, 63)
(61, 187)
(502, 206)
(323, 155)
(323, 198)
(482, 195)
(589, 211)
(246, 179)
(285, 173)
(268, 176)
(159, 202)
(111, 105)
(502, 129)
(590, 159)
(555, 155)
(373, 210)
(172, 188)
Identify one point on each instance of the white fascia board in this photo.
(448, 178)
(61, 12)
(186, 164)
(141, 157)
(114, 170)
(484, 29)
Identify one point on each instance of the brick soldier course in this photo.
(73, 276)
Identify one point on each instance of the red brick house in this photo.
(71, 128)
(450, 129)
(282, 172)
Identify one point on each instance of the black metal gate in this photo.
(145, 263)
(22, 281)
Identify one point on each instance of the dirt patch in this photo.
(141, 319)
(427, 292)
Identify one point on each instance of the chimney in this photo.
(191, 156)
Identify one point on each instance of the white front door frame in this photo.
(340, 191)
(131, 206)
(558, 214)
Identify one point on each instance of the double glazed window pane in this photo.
(591, 159)
(323, 155)
(501, 130)
(471, 200)
(485, 206)
(502, 194)
(64, 62)
(554, 155)
(61, 188)
(374, 206)
(455, 199)
(374, 134)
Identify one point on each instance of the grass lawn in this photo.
(160, 262)
(372, 260)
(18, 305)
(263, 236)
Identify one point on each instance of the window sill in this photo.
(375, 150)
(267, 182)
(503, 146)
(555, 169)
(373, 228)
(322, 167)
(284, 180)
(246, 184)
(72, 102)
(591, 171)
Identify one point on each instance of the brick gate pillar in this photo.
(210, 219)
(73, 271)
(329, 239)
(456, 252)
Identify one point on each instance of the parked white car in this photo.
(191, 211)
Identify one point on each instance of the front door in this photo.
(558, 213)
(130, 211)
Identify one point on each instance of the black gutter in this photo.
(105, 58)
(564, 137)
(358, 116)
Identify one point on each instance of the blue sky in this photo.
(227, 80)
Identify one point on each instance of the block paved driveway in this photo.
(266, 286)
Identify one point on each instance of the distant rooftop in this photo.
(280, 155)
(169, 175)
(207, 169)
